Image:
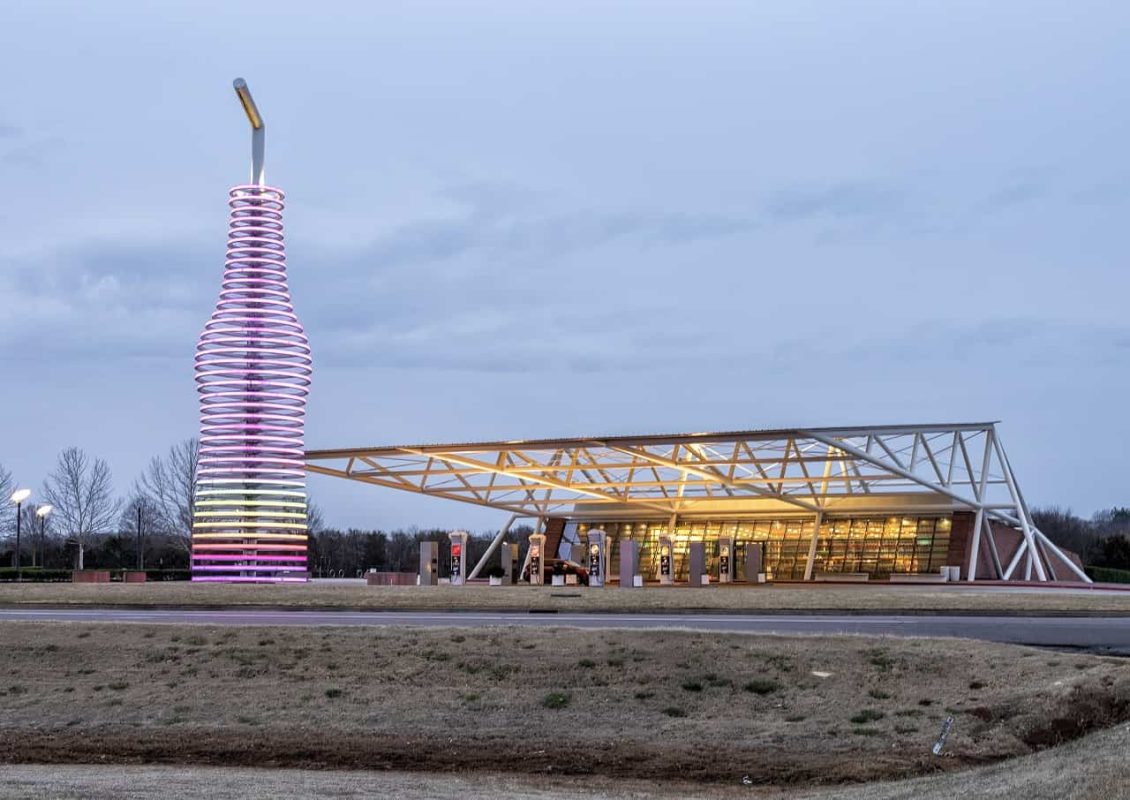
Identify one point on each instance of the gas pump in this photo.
(597, 550)
(725, 560)
(429, 563)
(459, 557)
(666, 560)
(509, 562)
(537, 553)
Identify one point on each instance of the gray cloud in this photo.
(835, 200)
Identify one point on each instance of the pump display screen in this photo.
(456, 552)
(665, 562)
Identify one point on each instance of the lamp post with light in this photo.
(18, 498)
(42, 512)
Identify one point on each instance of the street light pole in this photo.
(42, 512)
(140, 557)
(18, 498)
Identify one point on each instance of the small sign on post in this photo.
(938, 745)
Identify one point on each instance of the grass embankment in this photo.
(1091, 768)
(727, 599)
(612, 703)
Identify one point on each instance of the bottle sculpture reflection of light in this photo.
(252, 376)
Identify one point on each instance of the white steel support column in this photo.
(812, 546)
(493, 546)
(993, 553)
(1029, 537)
(975, 546)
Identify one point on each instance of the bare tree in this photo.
(314, 521)
(8, 511)
(82, 493)
(169, 486)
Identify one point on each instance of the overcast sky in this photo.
(523, 219)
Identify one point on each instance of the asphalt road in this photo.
(1088, 632)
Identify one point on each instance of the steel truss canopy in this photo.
(825, 472)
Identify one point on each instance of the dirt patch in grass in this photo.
(506, 699)
(880, 598)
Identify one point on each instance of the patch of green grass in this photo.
(762, 686)
(16, 689)
(924, 702)
(51, 648)
(867, 715)
(692, 685)
(644, 695)
(795, 718)
(615, 662)
(975, 685)
(905, 729)
(780, 663)
(556, 700)
(114, 701)
(866, 731)
(587, 663)
(717, 680)
(880, 659)
(909, 712)
(333, 692)
(458, 638)
(84, 635)
(879, 694)
(471, 697)
(118, 686)
(674, 711)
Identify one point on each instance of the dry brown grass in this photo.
(907, 598)
(638, 704)
(1091, 768)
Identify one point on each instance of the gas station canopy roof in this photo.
(881, 469)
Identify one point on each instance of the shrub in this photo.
(644, 695)
(762, 686)
(36, 575)
(587, 663)
(1107, 574)
(556, 700)
(333, 692)
(692, 685)
(867, 715)
(879, 694)
(674, 711)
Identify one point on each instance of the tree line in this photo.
(351, 553)
(1101, 541)
(90, 526)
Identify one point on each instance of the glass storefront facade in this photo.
(878, 546)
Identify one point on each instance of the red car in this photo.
(559, 566)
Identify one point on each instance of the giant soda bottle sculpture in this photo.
(252, 376)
